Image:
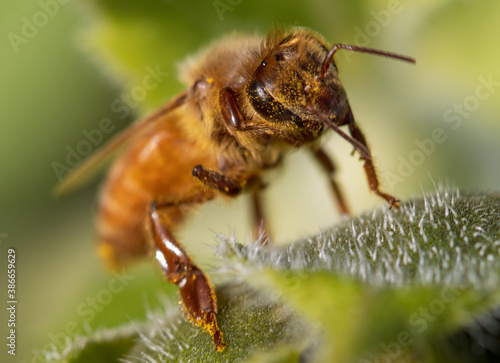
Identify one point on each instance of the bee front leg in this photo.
(371, 175)
(327, 164)
(218, 181)
(197, 293)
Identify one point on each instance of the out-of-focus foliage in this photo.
(57, 85)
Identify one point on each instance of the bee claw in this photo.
(394, 203)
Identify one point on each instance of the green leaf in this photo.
(388, 282)
(102, 346)
(250, 321)
(403, 285)
(448, 237)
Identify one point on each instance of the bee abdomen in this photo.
(120, 222)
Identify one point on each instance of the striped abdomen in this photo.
(156, 167)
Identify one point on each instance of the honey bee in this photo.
(249, 102)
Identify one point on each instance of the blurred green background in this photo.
(66, 76)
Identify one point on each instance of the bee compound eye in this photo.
(267, 106)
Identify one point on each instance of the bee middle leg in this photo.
(261, 232)
(232, 188)
(329, 167)
(197, 293)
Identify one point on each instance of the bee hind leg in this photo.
(197, 293)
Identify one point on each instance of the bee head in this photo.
(285, 88)
(296, 88)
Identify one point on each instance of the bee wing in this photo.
(93, 164)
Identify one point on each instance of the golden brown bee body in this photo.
(158, 164)
(249, 101)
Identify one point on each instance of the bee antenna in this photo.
(355, 48)
(363, 150)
